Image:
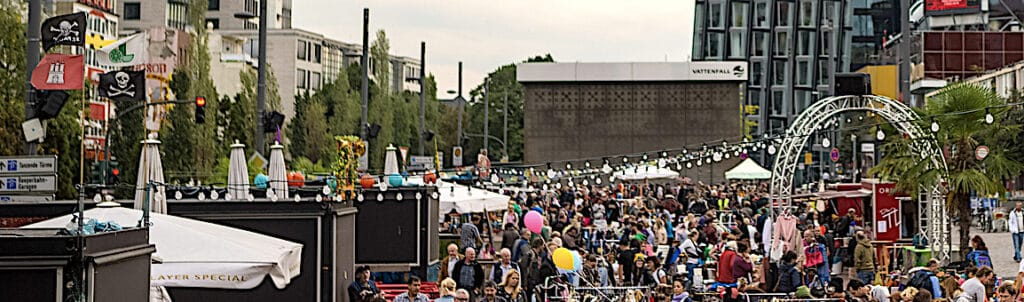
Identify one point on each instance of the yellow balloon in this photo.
(562, 258)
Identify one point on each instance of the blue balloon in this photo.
(261, 181)
(577, 261)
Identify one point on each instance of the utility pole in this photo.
(35, 8)
(365, 62)
(504, 137)
(423, 88)
(487, 110)
(459, 99)
(261, 81)
(908, 38)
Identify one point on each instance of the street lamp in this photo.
(261, 80)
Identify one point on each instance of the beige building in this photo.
(221, 13)
(302, 61)
(139, 15)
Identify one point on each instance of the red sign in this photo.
(888, 217)
(951, 6)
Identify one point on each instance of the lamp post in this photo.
(423, 88)
(261, 78)
(505, 130)
(487, 109)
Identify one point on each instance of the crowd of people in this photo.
(685, 242)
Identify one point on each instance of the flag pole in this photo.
(81, 191)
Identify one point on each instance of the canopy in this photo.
(645, 172)
(748, 169)
(464, 199)
(238, 173)
(193, 253)
(277, 171)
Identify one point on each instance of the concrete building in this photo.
(221, 13)
(140, 15)
(302, 61)
(587, 110)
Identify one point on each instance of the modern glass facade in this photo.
(788, 44)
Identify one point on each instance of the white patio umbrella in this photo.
(151, 170)
(278, 172)
(465, 199)
(238, 173)
(645, 172)
(209, 255)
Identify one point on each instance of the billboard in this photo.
(951, 7)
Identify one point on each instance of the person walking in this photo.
(414, 294)
(864, 258)
(510, 288)
(490, 293)
(470, 234)
(974, 288)
(1016, 222)
(447, 290)
(469, 274)
(448, 264)
(504, 265)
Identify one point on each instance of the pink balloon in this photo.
(533, 221)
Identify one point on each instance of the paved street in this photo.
(1000, 246)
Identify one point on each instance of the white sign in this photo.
(209, 275)
(28, 165)
(981, 152)
(457, 156)
(34, 130)
(421, 163)
(867, 147)
(28, 184)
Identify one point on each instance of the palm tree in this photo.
(960, 110)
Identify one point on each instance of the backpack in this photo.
(980, 259)
(921, 280)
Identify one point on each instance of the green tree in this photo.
(241, 112)
(380, 63)
(296, 132)
(176, 133)
(12, 79)
(960, 110)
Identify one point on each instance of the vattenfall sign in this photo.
(719, 70)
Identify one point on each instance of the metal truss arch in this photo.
(896, 113)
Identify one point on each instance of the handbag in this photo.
(813, 256)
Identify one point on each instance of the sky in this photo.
(486, 34)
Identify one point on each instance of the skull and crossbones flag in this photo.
(64, 30)
(123, 85)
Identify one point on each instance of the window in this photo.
(806, 13)
(826, 43)
(756, 72)
(739, 14)
(716, 14)
(213, 22)
(804, 43)
(132, 11)
(760, 43)
(779, 76)
(715, 42)
(761, 14)
(301, 81)
(783, 13)
(755, 99)
(823, 72)
(698, 32)
(828, 13)
(777, 102)
(803, 72)
(213, 5)
(737, 43)
(302, 51)
(781, 43)
(316, 53)
(314, 80)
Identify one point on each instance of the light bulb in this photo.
(598, 180)
(880, 135)
(568, 166)
(825, 142)
(689, 165)
(625, 159)
(771, 149)
(935, 126)
(989, 119)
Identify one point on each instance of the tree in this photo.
(64, 139)
(381, 61)
(12, 79)
(960, 110)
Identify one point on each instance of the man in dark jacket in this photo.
(468, 274)
(536, 265)
(789, 277)
(509, 236)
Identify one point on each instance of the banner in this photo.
(64, 30)
(123, 85)
(129, 51)
(208, 275)
(59, 72)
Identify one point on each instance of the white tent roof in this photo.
(464, 199)
(645, 172)
(748, 169)
(193, 253)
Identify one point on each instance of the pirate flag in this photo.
(123, 85)
(59, 72)
(64, 30)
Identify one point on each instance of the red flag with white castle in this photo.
(59, 72)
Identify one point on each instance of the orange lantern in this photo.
(367, 181)
(429, 178)
(296, 179)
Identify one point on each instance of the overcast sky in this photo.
(486, 34)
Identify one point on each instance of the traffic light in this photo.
(114, 175)
(200, 110)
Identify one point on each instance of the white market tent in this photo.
(645, 172)
(748, 169)
(465, 199)
(193, 253)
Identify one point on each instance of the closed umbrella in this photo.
(151, 171)
(238, 173)
(277, 171)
